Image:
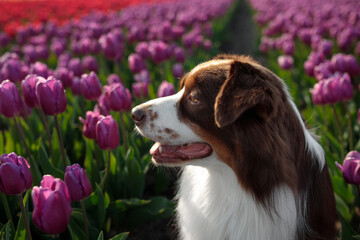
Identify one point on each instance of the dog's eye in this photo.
(193, 98)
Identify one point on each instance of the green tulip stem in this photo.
(86, 227)
(350, 127)
(46, 126)
(7, 209)
(340, 131)
(123, 130)
(63, 155)
(24, 216)
(107, 171)
(27, 149)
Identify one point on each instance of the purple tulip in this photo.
(52, 205)
(160, 51)
(77, 182)
(140, 89)
(64, 75)
(325, 47)
(39, 69)
(142, 49)
(336, 88)
(104, 104)
(352, 65)
(51, 96)
(89, 63)
(120, 97)
(143, 76)
(10, 101)
(90, 86)
(64, 59)
(357, 49)
(75, 86)
(136, 63)
(28, 87)
(338, 62)
(107, 133)
(285, 62)
(76, 67)
(89, 128)
(323, 70)
(351, 168)
(15, 175)
(113, 78)
(165, 89)
(12, 70)
(178, 70)
(58, 46)
(179, 54)
(110, 45)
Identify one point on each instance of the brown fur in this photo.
(244, 114)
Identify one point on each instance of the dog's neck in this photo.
(213, 205)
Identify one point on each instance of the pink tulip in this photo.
(52, 205)
(15, 175)
(77, 182)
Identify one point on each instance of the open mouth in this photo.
(178, 153)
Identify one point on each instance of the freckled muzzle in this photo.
(171, 152)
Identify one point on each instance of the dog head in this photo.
(233, 110)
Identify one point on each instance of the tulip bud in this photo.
(51, 96)
(104, 103)
(140, 89)
(165, 89)
(351, 168)
(15, 175)
(178, 70)
(143, 76)
(89, 128)
(120, 97)
(107, 133)
(90, 86)
(285, 62)
(136, 63)
(52, 205)
(179, 54)
(76, 66)
(77, 182)
(10, 101)
(39, 69)
(64, 75)
(12, 70)
(28, 87)
(113, 78)
(89, 63)
(142, 49)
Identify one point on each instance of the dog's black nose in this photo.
(138, 114)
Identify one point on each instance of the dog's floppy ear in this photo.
(245, 89)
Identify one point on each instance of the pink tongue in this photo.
(179, 152)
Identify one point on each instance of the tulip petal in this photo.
(11, 179)
(56, 213)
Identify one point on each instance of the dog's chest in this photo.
(212, 205)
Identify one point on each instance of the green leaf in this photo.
(121, 236)
(101, 236)
(96, 207)
(47, 166)
(20, 230)
(90, 163)
(5, 232)
(75, 230)
(343, 208)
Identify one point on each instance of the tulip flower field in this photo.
(71, 164)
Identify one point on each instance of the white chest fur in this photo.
(212, 205)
